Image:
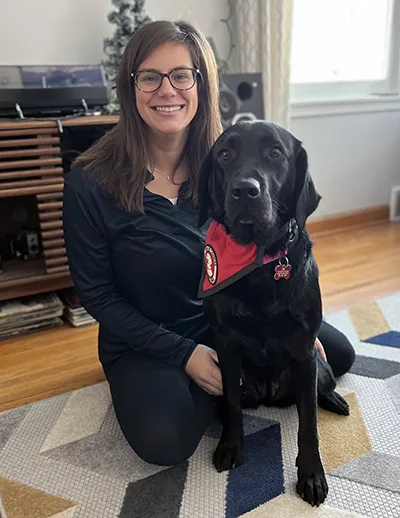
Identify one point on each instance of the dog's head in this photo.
(254, 180)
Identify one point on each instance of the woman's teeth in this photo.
(168, 108)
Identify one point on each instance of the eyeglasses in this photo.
(180, 78)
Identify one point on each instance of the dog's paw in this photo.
(335, 403)
(312, 487)
(228, 456)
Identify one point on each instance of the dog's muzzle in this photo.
(246, 189)
(247, 201)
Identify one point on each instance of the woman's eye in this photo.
(181, 77)
(275, 152)
(148, 79)
(225, 155)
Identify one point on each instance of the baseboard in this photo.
(337, 222)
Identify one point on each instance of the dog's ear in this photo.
(306, 197)
(203, 189)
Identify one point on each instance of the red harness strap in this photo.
(225, 261)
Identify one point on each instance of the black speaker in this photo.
(240, 98)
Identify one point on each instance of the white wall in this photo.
(63, 32)
(354, 159)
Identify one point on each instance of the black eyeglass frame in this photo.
(194, 70)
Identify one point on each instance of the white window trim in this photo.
(349, 101)
(300, 110)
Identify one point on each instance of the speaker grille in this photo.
(241, 98)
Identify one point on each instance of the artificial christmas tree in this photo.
(128, 16)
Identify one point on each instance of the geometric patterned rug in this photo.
(66, 457)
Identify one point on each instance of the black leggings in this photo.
(163, 413)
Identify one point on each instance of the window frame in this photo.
(359, 93)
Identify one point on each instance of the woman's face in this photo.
(181, 105)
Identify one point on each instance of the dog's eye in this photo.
(225, 155)
(275, 152)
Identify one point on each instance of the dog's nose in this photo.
(246, 187)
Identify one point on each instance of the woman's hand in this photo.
(202, 367)
(320, 348)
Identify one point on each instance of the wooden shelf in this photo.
(31, 285)
(16, 269)
(31, 165)
(89, 120)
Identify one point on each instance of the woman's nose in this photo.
(166, 88)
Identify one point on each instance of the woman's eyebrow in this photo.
(155, 70)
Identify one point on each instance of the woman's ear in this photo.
(203, 189)
(306, 197)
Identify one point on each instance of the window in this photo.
(344, 49)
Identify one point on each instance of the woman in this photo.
(135, 253)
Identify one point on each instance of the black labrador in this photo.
(255, 183)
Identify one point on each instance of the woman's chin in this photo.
(169, 127)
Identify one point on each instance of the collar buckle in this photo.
(291, 233)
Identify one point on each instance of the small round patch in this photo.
(211, 264)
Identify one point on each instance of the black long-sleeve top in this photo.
(136, 274)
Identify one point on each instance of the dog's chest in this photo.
(272, 329)
(266, 352)
(266, 376)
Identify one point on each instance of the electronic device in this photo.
(27, 245)
(51, 90)
(7, 247)
(241, 97)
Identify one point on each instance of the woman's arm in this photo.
(87, 245)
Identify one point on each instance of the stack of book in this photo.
(20, 316)
(74, 312)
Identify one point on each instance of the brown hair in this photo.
(119, 159)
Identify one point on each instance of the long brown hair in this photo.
(120, 158)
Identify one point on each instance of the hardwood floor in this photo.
(356, 265)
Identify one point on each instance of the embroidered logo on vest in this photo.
(211, 264)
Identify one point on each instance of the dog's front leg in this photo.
(229, 452)
(311, 481)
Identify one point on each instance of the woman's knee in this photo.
(347, 357)
(162, 443)
(339, 351)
